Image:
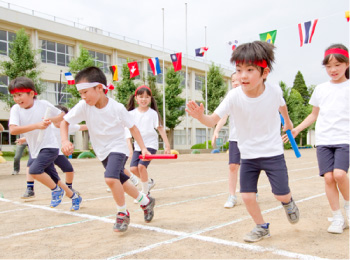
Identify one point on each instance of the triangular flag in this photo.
(114, 71)
(69, 78)
(269, 37)
(306, 31)
(176, 58)
(200, 51)
(154, 64)
(134, 69)
(347, 15)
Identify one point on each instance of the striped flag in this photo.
(154, 64)
(114, 71)
(69, 78)
(347, 16)
(200, 51)
(306, 31)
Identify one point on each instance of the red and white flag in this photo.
(134, 69)
(176, 58)
(69, 78)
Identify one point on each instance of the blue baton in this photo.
(292, 140)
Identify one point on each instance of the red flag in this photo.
(134, 69)
(176, 59)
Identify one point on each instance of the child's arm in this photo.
(218, 127)
(67, 146)
(138, 138)
(198, 112)
(16, 130)
(57, 119)
(83, 128)
(21, 141)
(1, 128)
(131, 149)
(162, 133)
(288, 125)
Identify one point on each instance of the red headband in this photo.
(337, 51)
(143, 86)
(19, 90)
(261, 63)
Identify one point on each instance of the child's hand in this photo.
(167, 150)
(144, 152)
(288, 125)
(44, 124)
(67, 148)
(213, 139)
(285, 138)
(194, 110)
(20, 141)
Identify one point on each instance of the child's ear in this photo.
(266, 72)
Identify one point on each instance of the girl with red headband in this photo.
(330, 102)
(147, 119)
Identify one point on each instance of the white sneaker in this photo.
(231, 201)
(134, 180)
(337, 226)
(151, 184)
(108, 190)
(347, 212)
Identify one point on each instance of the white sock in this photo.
(142, 199)
(346, 204)
(122, 209)
(145, 188)
(337, 214)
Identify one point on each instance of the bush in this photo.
(202, 146)
(287, 146)
(226, 146)
(8, 154)
(75, 154)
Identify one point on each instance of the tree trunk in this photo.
(301, 139)
(170, 135)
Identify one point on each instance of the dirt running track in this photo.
(190, 220)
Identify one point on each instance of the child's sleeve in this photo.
(224, 108)
(14, 116)
(76, 114)
(125, 116)
(73, 128)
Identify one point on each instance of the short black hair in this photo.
(62, 108)
(21, 83)
(254, 51)
(91, 74)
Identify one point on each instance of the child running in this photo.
(147, 119)
(26, 117)
(255, 106)
(330, 102)
(105, 119)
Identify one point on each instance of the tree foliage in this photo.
(22, 63)
(216, 87)
(126, 87)
(83, 61)
(300, 85)
(151, 81)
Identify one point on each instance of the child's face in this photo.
(91, 95)
(234, 81)
(336, 70)
(250, 77)
(143, 100)
(24, 99)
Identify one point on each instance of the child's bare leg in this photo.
(331, 191)
(135, 171)
(284, 198)
(127, 172)
(28, 176)
(45, 179)
(69, 177)
(69, 192)
(143, 173)
(131, 190)
(232, 178)
(253, 208)
(342, 180)
(117, 190)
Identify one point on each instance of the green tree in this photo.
(285, 90)
(300, 86)
(83, 61)
(126, 87)
(151, 80)
(216, 87)
(173, 102)
(22, 63)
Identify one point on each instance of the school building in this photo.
(59, 41)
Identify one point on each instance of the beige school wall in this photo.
(52, 29)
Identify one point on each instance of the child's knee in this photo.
(248, 197)
(339, 175)
(110, 181)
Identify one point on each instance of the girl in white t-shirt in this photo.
(26, 117)
(330, 102)
(147, 120)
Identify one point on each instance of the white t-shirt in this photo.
(332, 125)
(105, 126)
(147, 123)
(232, 128)
(257, 121)
(127, 133)
(22, 117)
(71, 130)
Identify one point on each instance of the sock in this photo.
(142, 199)
(265, 225)
(70, 185)
(291, 199)
(145, 188)
(57, 188)
(30, 185)
(337, 214)
(122, 209)
(74, 196)
(346, 204)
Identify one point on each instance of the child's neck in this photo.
(339, 81)
(102, 102)
(142, 109)
(255, 92)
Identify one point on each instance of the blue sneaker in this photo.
(56, 198)
(76, 203)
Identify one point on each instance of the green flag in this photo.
(269, 37)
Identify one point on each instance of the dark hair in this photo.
(338, 57)
(254, 51)
(131, 103)
(62, 108)
(91, 74)
(22, 83)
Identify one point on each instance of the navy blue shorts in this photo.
(276, 171)
(332, 157)
(114, 165)
(64, 163)
(45, 163)
(135, 161)
(234, 153)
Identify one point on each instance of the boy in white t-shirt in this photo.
(255, 106)
(26, 117)
(106, 119)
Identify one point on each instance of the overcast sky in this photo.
(226, 20)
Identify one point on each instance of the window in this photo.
(103, 61)
(5, 39)
(4, 84)
(5, 137)
(183, 76)
(180, 137)
(200, 136)
(55, 93)
(199, 82)
(159, 77)
(56, 53)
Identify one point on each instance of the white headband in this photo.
(85, 85)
